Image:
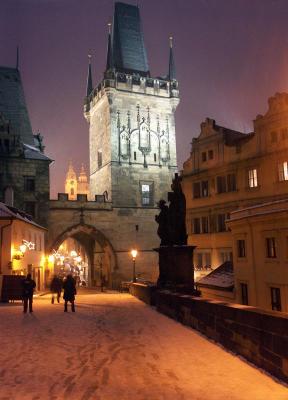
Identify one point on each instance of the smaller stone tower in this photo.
(71, 183)
(83, 184)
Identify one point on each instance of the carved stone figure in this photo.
(172, 224)
(163, 220)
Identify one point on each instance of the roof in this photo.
(128, 49)
(221, 278)
(8, 212)
(32, 153)
(13, 104)
(231, 137)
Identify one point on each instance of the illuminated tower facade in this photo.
(131, 118)
(71, 183)
(83, 184)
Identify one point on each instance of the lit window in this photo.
(204, 189)
(271, 247)
(252, 178)
(147, 194)
(283, 171)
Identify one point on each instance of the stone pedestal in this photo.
(176, 267)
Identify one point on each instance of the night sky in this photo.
(231, 55)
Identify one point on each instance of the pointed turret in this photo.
(71, 183)
(89, 78)
(83, 184)
(172, 69)
(109, 62)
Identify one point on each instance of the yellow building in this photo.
(74, 186)
(22, 246)
(260, 248)
(228, 170)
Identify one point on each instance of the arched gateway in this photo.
(101, 257)
(107, 234)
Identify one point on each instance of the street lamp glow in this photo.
(51, 258)
(134, 253)
(73, 253)
(22, 248)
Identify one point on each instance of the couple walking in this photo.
(69, 286)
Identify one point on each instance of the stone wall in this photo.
(259, 336)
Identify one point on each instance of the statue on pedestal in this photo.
(172, 224)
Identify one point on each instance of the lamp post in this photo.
(134, 253)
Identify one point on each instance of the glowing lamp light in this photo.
(73, 253)
(23, 248)
(134, 253)
(78, 259)
(51, 258)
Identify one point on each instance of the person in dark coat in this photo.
(56, 288)
(28, 286)
(69, 287)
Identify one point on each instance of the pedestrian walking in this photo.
(28, 286)
(56, 288)
(69, 287)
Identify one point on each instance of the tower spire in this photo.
(109, 62)
(172, 69)
(89, 78)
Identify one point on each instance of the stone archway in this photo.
(101, 255)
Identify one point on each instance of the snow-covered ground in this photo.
(115, 347)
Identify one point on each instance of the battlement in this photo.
(132, 83)
(100, 202)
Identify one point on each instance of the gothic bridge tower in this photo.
(131, 119)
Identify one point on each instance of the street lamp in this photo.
(134, 253)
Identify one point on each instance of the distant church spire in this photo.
(172, 69)
(89, 78)
(109, 62)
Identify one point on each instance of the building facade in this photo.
(22, 246)
(228, 170)
(260, 249)
(24, 168)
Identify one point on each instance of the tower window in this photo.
(99, 159)
(29, 183)
(155, 158)
(135, 156)
(146, 193)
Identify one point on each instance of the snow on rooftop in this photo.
(221, 277)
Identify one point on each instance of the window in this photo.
(221, 222)
(203, 261)
(205, 224)
(135, 156)
(273, 136)
(270, 247)
(244, 293)
(283, 171)
(29, 183)
(241, 248)
(252, 178)
(30, 208)
(275, 299)
(221, 184)
(231, 183)
(226, 256)
(199, 260)
(204, 189)
(155, 158)
(146, 194)
(204, 156)
(210, 155)
(196, 225)
(196, 190)
(99, 159)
